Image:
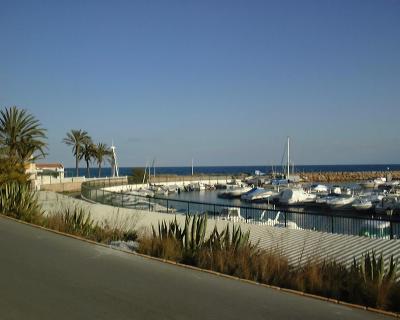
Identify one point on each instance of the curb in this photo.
(185, 266)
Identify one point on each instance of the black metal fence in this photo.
(347, 224)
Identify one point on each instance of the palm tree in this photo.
(77, 139)
(21, 135)
(101, 152)
(88, 153)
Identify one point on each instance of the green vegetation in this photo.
(77, 221)
(101, 152)
(21, 136)
(88, 153)
(19, 201)
(230, 251)
(84, 148)
(76, 139)
(137, 176)
(11, 172)
(22, 140)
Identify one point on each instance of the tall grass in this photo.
(230, 251)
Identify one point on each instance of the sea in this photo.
(232, 170)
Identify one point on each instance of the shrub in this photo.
(19, 201)
(76, 220)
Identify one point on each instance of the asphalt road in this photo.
(48, 276)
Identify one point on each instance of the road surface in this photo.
(48, 276)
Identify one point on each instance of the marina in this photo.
(333, 217)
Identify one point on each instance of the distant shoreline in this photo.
(333, 170)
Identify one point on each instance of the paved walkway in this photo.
(48, 276)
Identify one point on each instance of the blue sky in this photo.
(223, 82)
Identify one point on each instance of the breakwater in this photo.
(348, 176)
(328, 176)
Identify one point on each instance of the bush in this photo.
(76, 220)
(137, 176)
(19, 201)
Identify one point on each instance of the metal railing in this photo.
(382, 226)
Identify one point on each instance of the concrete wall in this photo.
(130, 187)
(165, 179)
(62, 187)
(73, 184)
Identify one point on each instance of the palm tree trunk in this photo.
(99, 170)
(77, 160)
(76, 165)
(87, 169)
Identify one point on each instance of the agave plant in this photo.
(19, 201)
(77, 220)
(192, 237)
(195, 231)
(225, 240)
(171, 231)
(372, 269)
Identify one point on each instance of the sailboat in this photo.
(285, 177)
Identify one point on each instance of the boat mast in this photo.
(288, 158)
(154, 167)
(114, 162)
(144, 174)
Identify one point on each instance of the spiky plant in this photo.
(372, 269)
(77, 220)
(377, 281)
(232, 241)
(19, 201)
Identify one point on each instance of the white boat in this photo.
(362, 204)
(159, 190)
(258, 194)
(373, 196)
(172, 188)
(388, 203)
(336, 190)
(234, 192)
(142, 192)
(379, 181)
(340, 202)
(367, 184)
(319, 188)
(293, 196)
(198, 186)
(324, 199)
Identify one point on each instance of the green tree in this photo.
(102, 152)
(137, 176)
(77, 139)
(88, 152)
(22, 137)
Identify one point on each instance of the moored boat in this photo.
(340, 202)
(362, 204)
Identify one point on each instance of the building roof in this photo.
(49, 166)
